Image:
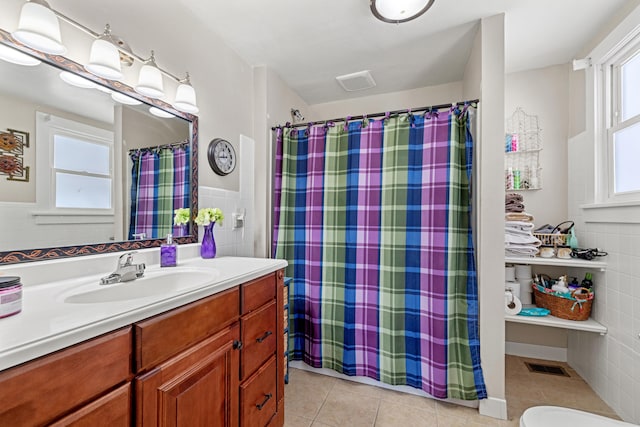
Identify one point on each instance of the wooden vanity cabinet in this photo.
(72, 387)
(214, 362)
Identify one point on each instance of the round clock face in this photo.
(222, 156)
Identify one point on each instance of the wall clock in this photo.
(222, 157)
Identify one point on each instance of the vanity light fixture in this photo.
(104, 59)
(124, 99)
(398, 11)
(77, 81)
(186, 97)
(150, 79)
(14, 56)
(39, 28)
(160, 113)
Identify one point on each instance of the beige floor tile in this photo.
(453, 410)
(419, 402)
(358, 388)
(319, 424)
(348, 409)
(392, 414)
(303, 399)
(451, 421)
(296, 421)
(515, 407)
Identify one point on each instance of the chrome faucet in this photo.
(125, 271)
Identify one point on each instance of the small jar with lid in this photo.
(10, 296)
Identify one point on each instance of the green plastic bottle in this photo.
(587, 282)
(572, 240)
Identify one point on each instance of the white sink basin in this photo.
(153, 283)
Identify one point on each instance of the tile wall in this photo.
(611, 363)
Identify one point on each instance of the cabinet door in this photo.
(199, 387)
(258, 396)
(113, 410)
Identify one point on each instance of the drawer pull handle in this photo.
(264, 402)
(237, 345)
(264, 337)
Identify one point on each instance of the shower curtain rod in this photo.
(178, 144)
(390, 113)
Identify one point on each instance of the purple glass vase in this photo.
(208, 247)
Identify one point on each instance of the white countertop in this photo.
(47, 323)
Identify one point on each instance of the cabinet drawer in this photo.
(258, 292)
(40, 391)
(113, 410)
(258, 396)
(258, 338)
(163, 336)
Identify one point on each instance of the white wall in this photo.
(543, 92)
(272, 107)
(484, 77)
(416, 98)
(610, 363)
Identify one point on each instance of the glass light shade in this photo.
(124, 99)
(397, 11)
(14, 56)
(160, 113)
(150, 82)
(39, 29)
(78, 81)
(104, 60)
(186, 99)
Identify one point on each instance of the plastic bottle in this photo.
(587, 281)
(572, 240)
(168, 253)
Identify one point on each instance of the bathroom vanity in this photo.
(217, 360)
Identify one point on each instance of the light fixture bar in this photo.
(98, 35)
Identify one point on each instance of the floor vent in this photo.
(546, 369)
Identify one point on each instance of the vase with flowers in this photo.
(207, 217)
(181, 219)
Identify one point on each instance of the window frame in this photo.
(609, 116)
(47, 126)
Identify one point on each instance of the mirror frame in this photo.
(42, 254)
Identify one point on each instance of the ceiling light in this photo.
(124, 99)
(160, 113)
(397, 11)
(104, 59)
(186, 97)
(150, 79)
(39, 28)
(78, 81)
(14, 56)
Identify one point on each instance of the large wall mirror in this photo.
(82, 171)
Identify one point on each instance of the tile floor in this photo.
(313, 400)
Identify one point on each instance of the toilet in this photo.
(554, 416)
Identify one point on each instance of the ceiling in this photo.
(309, 43)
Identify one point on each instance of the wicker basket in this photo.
(554, 240)
(576, 308)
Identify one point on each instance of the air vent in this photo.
(539, 368)
(356, 81)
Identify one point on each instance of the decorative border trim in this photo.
(30, 255)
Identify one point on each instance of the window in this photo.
(75, 168)
(82, 173)
(624, 130)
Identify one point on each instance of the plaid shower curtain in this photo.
(160, 184)
(374, 219)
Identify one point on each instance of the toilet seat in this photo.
(554, 416)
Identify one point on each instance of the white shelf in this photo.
(533, 150)
(572, 262)
(588, 325)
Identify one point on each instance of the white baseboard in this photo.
(493, 407)
(558, 354)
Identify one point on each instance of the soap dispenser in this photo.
(168, 253)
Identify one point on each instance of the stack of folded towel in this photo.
(518, 227)
(513, 203)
